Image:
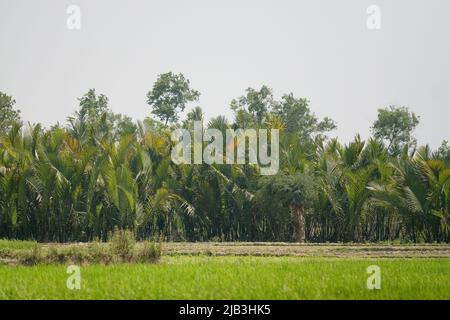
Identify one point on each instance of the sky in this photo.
(322, 50)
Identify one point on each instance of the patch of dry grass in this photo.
(107, 253)
(308, 250)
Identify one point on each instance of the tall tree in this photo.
(296, 191)
(169, 96)
(443, 152)
(394, 126)
(299, 119)
(255, 103)
(93, 105)
(195, 114)
(8, 114)
(95, 118)
(91, 117)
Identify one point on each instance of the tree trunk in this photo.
(299, 223)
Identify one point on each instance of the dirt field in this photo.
(308, 250)
(267, 249)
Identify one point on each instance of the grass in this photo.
(234, 277)
(16, 245)
(116, 270)
(120, 249)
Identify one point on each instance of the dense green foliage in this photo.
(185, 277)
(394, 126)
(8, 114)
(169, 96)
(101, 170)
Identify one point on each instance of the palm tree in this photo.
(295, 191)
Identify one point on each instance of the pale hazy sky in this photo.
(318, 49)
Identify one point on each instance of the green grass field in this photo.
(233, 277)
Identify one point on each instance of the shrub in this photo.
(122, 243)
(77, 255)
(150, 252)
(93, 253)
(55, 256)
(4, 252)
(215, 239)
(99, 253)
(32, 257)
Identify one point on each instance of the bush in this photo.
(93, 253)
(150, 252)
(55, 256)
(215, 239)
(32, 257)
(77, 255)
(121, 247)
(4, 252)
(122, 243)
(99, 253)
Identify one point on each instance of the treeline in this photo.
(78, 181)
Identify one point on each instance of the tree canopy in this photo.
(169, 96)
(100, 171)
(394, 126)
(8, 114)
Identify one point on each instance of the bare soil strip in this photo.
(331, 250)
(308, 250)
